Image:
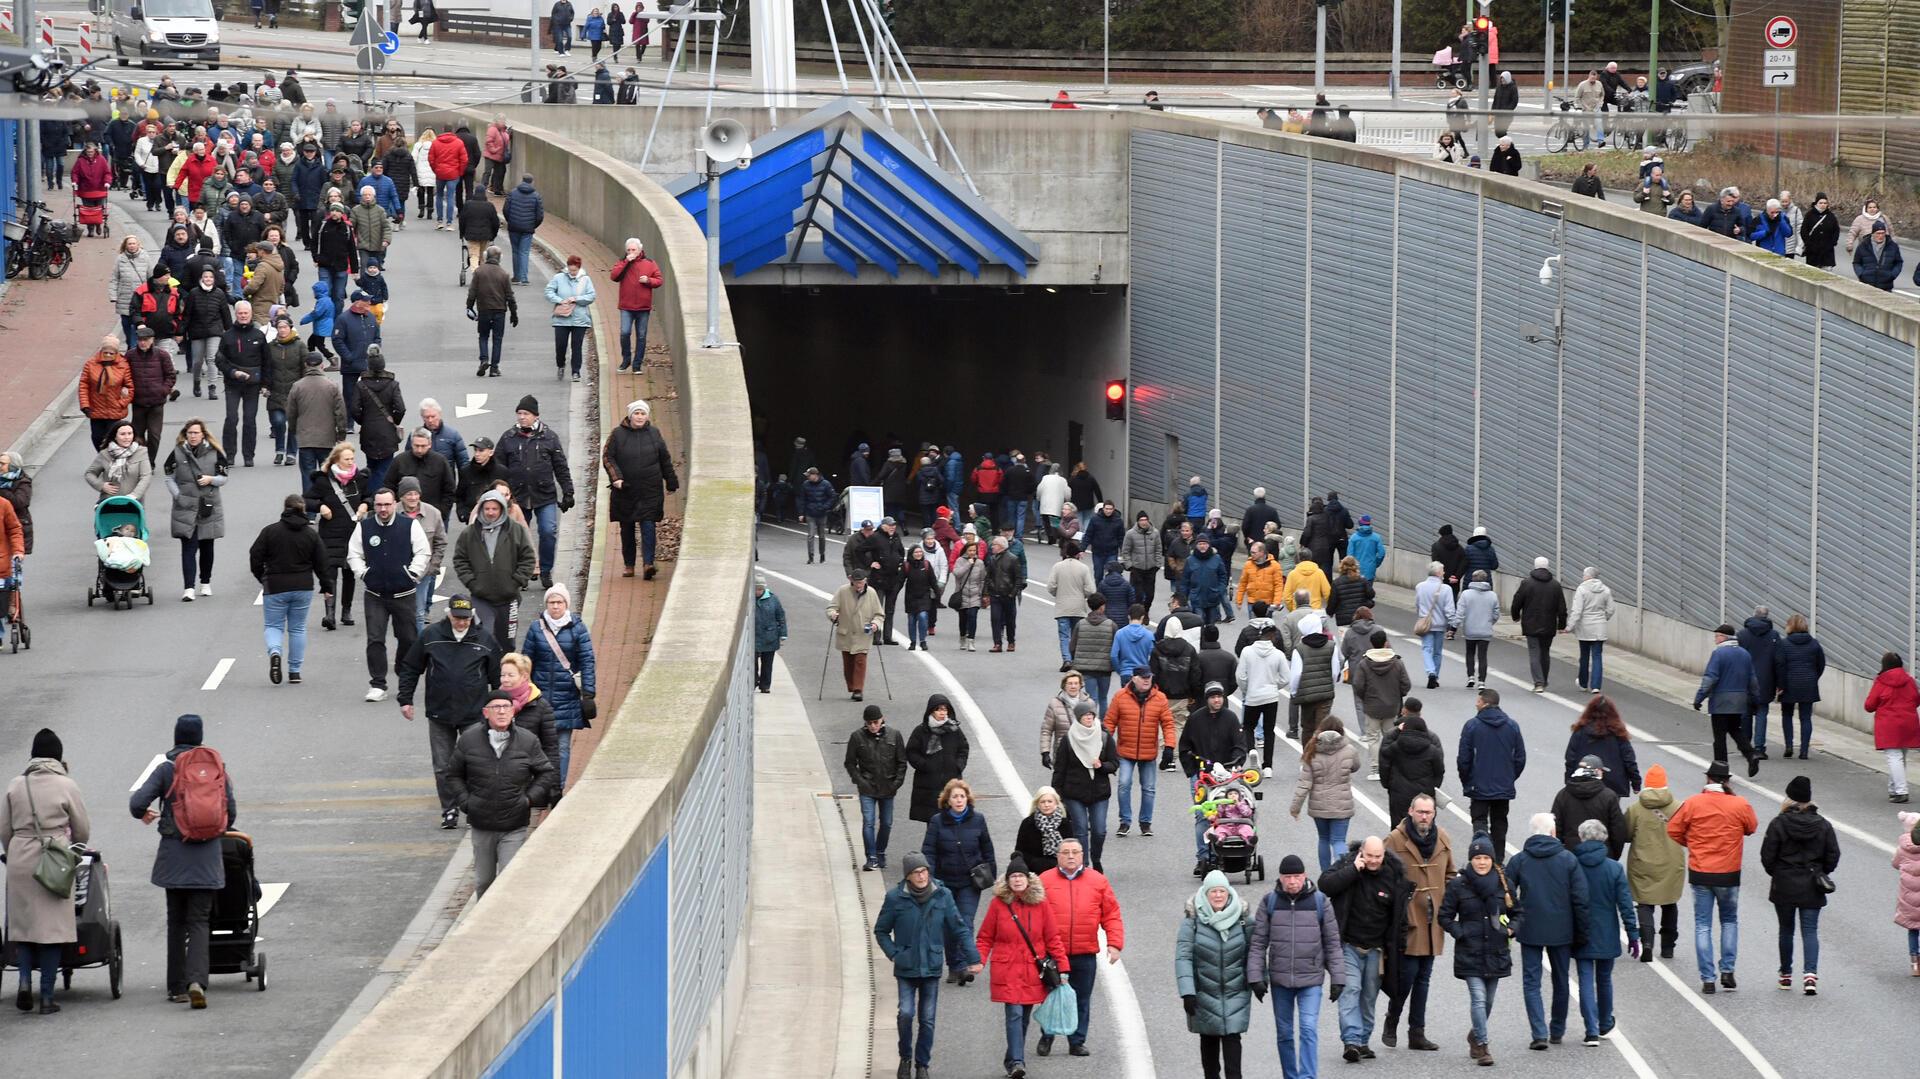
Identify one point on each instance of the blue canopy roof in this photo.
(840, 186)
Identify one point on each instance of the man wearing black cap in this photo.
(189, 864)
(535, 464)
(1295, 947)
(881, 553)
(1714, 825)
(378, 406)
(153, 376)
(477, 476)
(856, 614)
(877, 764)
(496, 774)
(1730, 687)
(355, 331)
(1212, 737)
(316, 415)
(462, 663)
(815, 499)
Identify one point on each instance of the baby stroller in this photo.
(1450, 73)
(235, 922)
(96, 927)
(120, 543)
(1226, 798)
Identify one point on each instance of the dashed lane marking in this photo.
(220, 670)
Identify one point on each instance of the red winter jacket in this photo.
(92, 176)
(1895, 703)
(1081, 908)
(1012, 977)
(987, 477)
(637, 282)
(194, 172)
(448, 157)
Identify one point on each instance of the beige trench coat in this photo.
(35, 915)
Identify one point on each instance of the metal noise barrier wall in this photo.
(1721, 428)
(614, 944)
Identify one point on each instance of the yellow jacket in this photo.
(1307, 575)
(1261, 582)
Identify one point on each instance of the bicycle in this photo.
(1567, 131)
(1674, 135)
(36, 244)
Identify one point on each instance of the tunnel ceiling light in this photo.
(1050, 289)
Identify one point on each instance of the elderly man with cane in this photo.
(856, 614)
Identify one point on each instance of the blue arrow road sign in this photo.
(390, 43)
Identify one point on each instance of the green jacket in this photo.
(1213, 970)
(914, 933)
(1656, 865)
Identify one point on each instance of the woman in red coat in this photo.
(1019, 903)
(1895, 703)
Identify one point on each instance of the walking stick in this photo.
(824, 657)
(884, 680)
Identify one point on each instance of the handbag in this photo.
(982, 876)
(58, 861)
(1423, 625)
(1044, 965)
(563, 309)
(1822, 881)
(1059, 1014)
(588, 709)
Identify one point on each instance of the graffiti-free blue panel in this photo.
(530, 1054)
(614, 1000)
(940, 198)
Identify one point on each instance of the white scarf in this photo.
(1086, 742)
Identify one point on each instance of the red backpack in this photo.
(198, 796)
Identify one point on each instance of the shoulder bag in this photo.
(1044, 965)
(58, 862)
(589, 710)
(1423, 625)
(957, 601)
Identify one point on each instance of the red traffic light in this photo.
(1481, 23)
(1116, 391)
(1117, 399)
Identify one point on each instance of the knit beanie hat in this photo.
(1656, 777)
(47, 744)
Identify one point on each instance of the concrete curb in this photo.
(810, 986)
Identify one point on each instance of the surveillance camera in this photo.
(1546, 274)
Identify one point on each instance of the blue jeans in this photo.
(1787, 710)
(311, 457)
(633, 336)
(1089, 821)
(1018, 1016)
(1809, 918)
(1148, 773)
(917, 628)
(1558, 956)
(1081, 972)
(277, 427)
(337, 287)
(1019, 513)
(1363, 988)
(1065, 626)
(565, 737)
(1480, 993)
(376, 474)
(1097, 685)
(1590, 663)
(547, 518)
(1416, 977)
(44, 956)
(1596, 995)
(444, 193)
(919, 1003)
(562, 37)
(285, 616)
(876, 827)
(1704, 899)
(235, 274)
(1430, 651)
(492, 326)
(1333, 839)
(423, 605)
(967, 898)
(1296, 1018)
(522, 244)
(569, 338)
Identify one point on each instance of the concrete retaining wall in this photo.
(612, 946)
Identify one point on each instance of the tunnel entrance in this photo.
(976, 367)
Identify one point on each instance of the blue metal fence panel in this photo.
(1681, 541)
(9, 158)
(1263, 270)
(1352, 342)
(1433, 459)
(615, 997)
(1517, 387)
(1171, 310)
(1600, 416)
(530, 1054)
(1769, 451)
(1866, 490)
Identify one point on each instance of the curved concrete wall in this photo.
(612, 945)
(1722, 428)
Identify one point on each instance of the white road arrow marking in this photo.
(472, 407)
(220, 670)
(259, 596)
(271, 894)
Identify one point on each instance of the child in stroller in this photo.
(1226, 800)
(123, 550)
(120, 543)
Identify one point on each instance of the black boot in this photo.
(326, 617)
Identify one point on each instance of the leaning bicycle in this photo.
(1567, 132)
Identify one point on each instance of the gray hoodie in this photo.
(1479, 610)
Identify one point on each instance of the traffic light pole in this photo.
(1393, 80)
(1546, 79)
(1320, 48)
(1653, 53)
(1485, 46)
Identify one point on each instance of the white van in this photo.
(163, 31)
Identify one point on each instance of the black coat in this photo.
(1349, 594)
(537, 719)
(1411, 762)
(1074, 783)
(1762, 642)
(1797, 666)
(336, 531)
(1451, 555)
(205, 312)
(877, 765)
(1623, 767)
(1480, 555)
(954, 847)
(921, 587)
(536, 467)
(1084, 490)
(638, 457)
(1798, 843)
(459, 673)
(288, 555)
(932, 770)
(1343, 884)
(893, 483)
(379, 410)
(1470, 913)
(498, 793)
(434, 473)
(1539, 605)
(1255, 519)
(884, 549)
(1584, 800)
(1317, 539)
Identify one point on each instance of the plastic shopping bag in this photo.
(1059, 1014)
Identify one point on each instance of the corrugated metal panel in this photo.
(1681, 555)
(1880, 73)
(1517, 387)
(1352, 338)
(1601, 410)
(616, 998)
(1171, 307)
(1769, 452)
(1433, 466)
(1263, 329)
(1866, 485)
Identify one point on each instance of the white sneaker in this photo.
(1373, 775)
(187, 596)
(375, 693)
(1267, 774)
(206, 589)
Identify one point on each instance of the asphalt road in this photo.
(1666, 1028)
(337, 794)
